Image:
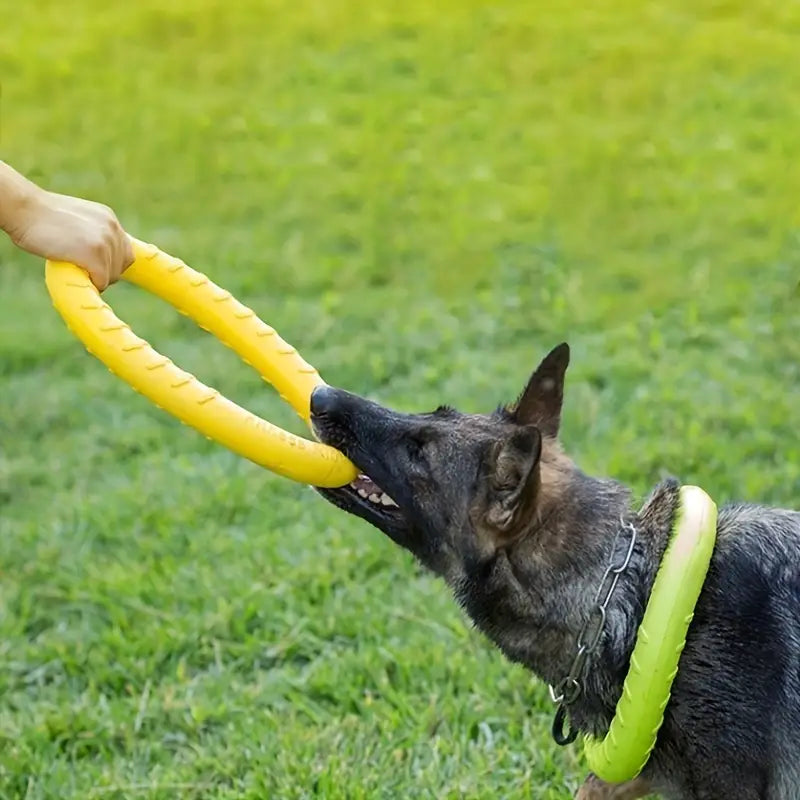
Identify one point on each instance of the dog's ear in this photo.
(513, 479)
(540, 403)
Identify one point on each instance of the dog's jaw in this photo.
(363, 497)
(387, 518)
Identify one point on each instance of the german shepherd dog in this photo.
(523, 537)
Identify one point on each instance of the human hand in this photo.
(64, 228)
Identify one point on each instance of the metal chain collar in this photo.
(570, 688)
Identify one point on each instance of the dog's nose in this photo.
(323, 400)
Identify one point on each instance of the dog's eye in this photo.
(416, 448)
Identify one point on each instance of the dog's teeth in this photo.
(362, 492)
(374, 498)
(387, 501)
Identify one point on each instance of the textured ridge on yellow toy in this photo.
(131, 358)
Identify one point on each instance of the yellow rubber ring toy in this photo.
(181, 394)
(626, 748)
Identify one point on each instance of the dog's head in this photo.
(450, 487)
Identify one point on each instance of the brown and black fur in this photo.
(522, 536)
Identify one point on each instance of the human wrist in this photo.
(20, 201)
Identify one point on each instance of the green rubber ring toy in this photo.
(623, 753)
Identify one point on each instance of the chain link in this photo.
(570, 688)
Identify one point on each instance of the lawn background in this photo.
(423, 198)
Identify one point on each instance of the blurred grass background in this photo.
(423, 198)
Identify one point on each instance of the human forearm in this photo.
(18, 199)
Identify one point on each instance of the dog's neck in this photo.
(535, 596)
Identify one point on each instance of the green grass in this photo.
(423, 198)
